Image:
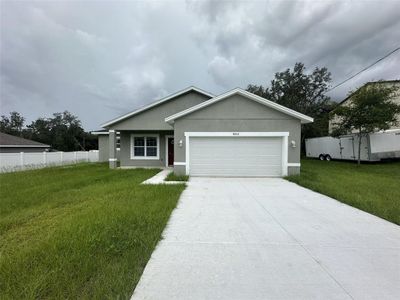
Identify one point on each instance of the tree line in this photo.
(63, 131)
(371, 108)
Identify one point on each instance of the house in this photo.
(236, 133)
(348, 99)
(14, 144)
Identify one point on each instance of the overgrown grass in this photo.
(374, 188)
(76, 232)
(173, 177)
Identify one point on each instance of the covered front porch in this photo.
(141, 148)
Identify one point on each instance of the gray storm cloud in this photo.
(99, 59)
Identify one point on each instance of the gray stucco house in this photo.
(14, 144)
(236, 133)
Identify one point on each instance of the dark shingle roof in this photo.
(11, 140)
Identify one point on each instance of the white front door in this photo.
(235, 156)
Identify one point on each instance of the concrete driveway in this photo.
(270, 239)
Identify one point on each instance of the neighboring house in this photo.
(347, 101)
(14, 144)
(234, 134)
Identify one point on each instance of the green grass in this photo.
(79, 232)
(374, 188)
(173, 177)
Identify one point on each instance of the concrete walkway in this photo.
(270, 239)
(159, 178)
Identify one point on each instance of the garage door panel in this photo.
(235, 156)
(236, 171)
(244, 161)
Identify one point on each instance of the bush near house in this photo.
(173, 177)
(79, 232)
(373, 188)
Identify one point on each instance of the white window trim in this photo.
(283, 135)
(166, 148)
(145, 157)
(236, 134)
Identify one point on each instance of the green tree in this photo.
(12, 125)
(370, 109)
(302, 92)
(63, 131)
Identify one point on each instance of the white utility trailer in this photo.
(374, 146)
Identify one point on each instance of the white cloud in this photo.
(89, 39)
(132, 81)
(224, 71)
(267, 37)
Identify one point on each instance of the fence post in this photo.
(21, 159)
(44, 158)
(76, 157)
(87, 156)
(62, 157)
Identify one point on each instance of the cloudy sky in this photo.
(99, 59)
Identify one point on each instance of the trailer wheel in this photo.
(321, 157)
(328, 157)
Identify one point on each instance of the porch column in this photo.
(112, 140)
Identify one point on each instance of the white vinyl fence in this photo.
(10, 162)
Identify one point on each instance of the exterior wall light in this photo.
(180, 143)
(293, 144)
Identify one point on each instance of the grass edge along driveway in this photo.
(371, 187)
(81, 231)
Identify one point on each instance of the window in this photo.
(144, 146)
(151, 146)
(138, 146)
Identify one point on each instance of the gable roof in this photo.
(8, 140)
(238, 91)
(165, 99)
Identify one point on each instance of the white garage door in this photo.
(235, 156)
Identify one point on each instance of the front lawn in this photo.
(81, 231)
(374, 188)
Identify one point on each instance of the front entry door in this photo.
(170, 151)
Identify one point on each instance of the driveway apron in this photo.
(267, 238)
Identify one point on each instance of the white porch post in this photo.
(112, 139)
